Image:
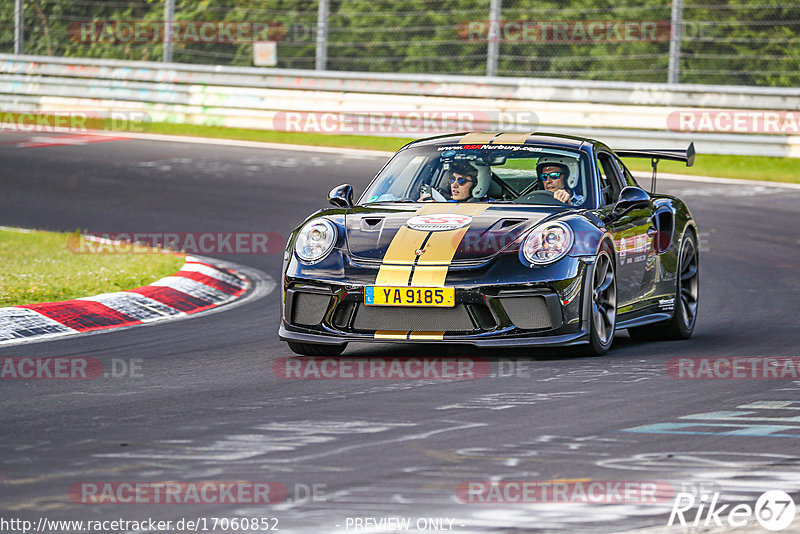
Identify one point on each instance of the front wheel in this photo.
(315, 349)
(687, 290)
(603, 305)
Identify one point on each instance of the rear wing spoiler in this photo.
(687, 156)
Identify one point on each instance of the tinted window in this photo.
(608, 184)
(489, 173)
(626, 174)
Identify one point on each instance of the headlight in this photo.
(315, 240)
(547, 243)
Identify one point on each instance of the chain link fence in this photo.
(724, 42)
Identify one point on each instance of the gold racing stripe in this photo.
(394, 275)
(426, 336)
(477, 138)
(391, 334)
(400, 254)
(440, 249)
(511, 138)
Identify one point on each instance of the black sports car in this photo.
(494, 239)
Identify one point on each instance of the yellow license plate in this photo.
(409, 296)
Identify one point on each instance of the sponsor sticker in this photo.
(438, 222)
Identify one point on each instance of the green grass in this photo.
(390, 144)
(742, 167)
(39, 267)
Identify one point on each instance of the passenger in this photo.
(463, 179)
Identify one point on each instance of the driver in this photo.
(463, 178)
(554, 178)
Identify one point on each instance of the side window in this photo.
(609, 188)
(626, 174)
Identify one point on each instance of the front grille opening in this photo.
(528, 313)
(455, 319)
(308, 309)
(483, 316)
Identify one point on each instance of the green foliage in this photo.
(723, 41)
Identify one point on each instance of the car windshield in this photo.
(523, 174)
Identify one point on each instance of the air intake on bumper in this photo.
(528, 313)
(309, 308)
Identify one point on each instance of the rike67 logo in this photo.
(774, 510)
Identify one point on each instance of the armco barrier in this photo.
(621, 114)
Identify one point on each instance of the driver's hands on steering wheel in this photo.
(562, 196)
(425, 194)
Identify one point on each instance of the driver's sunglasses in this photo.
(461, 181)
(551, 175)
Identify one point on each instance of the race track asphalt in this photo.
(208, 407)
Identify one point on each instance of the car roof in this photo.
(499, 138)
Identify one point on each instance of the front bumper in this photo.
(547, 313)
(564, 340)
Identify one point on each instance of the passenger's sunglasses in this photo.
(551, 175)
(461, 181)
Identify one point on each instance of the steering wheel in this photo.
(432, 193)
(530, 188)
(540, 197)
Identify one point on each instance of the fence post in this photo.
(675, 42)
(322, 36)
(493, 37)
(169, 17)
(19, 25)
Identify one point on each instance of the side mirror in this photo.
(631, 198)
(341, 196)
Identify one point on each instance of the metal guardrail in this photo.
(621, 114)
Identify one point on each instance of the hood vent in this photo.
(510, 223)
(371, 223)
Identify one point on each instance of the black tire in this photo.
(315, 349)
(603, 305)
(687, 290)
